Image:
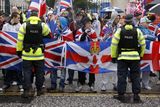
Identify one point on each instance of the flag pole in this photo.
(73, 10)
(59, 7)
(39, 8)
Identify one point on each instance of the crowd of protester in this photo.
(84, 27)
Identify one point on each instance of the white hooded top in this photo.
(97, 25)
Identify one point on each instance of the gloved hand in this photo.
(114, 60)
(83, 37)
(19, 53)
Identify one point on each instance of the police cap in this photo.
(34, 12)
(129, 18)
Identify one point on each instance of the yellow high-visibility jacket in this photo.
(38, 55)
(127, 55)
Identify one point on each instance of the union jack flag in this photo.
(140, 4)
(62, 4)
(66, 3)
(67, 35)
(9, 59)
(54, 54)
(151, 59)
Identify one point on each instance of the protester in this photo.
(86, 33)
(144, 22)
(107, 32)
(11, 76)
(125, 48)
(78, 19)
(111, 26)
(13, 25)
(121, 22)
(51, 22)
(70, 14)
(2, 20)
(153, 28)
(137, 17)
(64, 34)
(22, 15)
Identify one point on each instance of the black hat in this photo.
(34, 12)
(151, 16)
(129, 18)
(85, 20)
(137, 13)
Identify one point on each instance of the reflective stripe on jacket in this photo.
(38, 55)
(127, 55)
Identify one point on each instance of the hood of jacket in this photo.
(63, 22)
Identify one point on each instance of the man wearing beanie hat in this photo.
(151, 26)
(137, 17)
(85, 20)
(127, 47)
(86, 33)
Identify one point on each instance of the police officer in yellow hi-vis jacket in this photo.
(127, 48)
(30, 47)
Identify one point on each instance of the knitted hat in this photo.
(137, 13)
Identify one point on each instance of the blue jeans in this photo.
(53, 77)
(39, 73)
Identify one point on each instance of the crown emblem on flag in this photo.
(95, 48)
